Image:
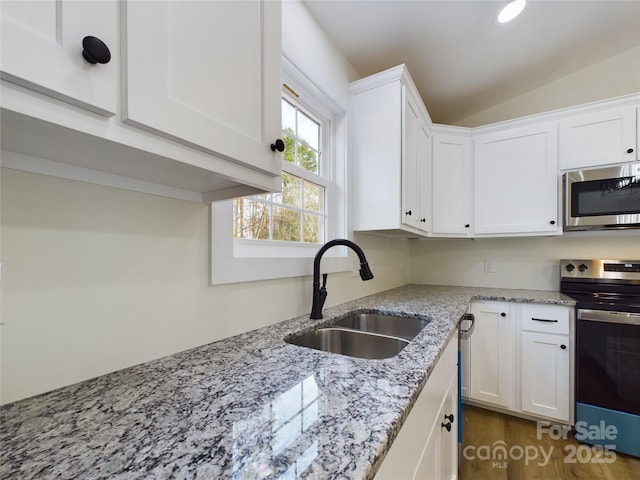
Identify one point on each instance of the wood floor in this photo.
(567, 459)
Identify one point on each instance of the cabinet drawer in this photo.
(546, 318)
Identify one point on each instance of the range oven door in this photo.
(608, 360)
(608, 379)
(602, 198)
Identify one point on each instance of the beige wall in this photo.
(613, 77)
(98, 279)
(530, 263)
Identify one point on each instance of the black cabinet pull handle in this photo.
(630, 150)
(95, 51)
(447, 426)
(564, 347)
(449, 417)
(277, 145)
(407, 212)
(544, 320)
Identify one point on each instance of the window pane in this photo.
(251, 219)
(286, 224)
(288, 116)
(313, 197)
(291, 194)
(307, 158)
(308, 131)
(289, 153)
(313, 228)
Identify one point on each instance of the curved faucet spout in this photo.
(320, 292)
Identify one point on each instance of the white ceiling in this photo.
(461, 61)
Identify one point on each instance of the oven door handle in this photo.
(609, 317)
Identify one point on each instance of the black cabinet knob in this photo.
(449, 417)
(503, 314)
(423, 220)
(467, 226)
(630, 150)
(563, 347)
(447, 426)
(552, 222)
(408, 212)
(277, 145)
(95, 51)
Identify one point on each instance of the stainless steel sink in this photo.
(403, 327)
(351, 343)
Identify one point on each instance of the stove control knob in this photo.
(582, 267)
(570, 267)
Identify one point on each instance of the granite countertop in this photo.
(246, 407)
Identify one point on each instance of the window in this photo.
(277, 235)
(298, 212)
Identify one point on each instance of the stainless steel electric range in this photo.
(607, 351)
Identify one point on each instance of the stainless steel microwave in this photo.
(602, 198)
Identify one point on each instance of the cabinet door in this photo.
(450, 416)
(451, 185)
(516, 181)
(545, 375)
(424, 178)
(598, 139)
(207, 74)
(411, 127)
(42, 50)
(416, 168)
(492, 354)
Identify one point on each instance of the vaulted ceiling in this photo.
(462, 61)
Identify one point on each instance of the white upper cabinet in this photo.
(42, 50)
(451, 185)
(392, 155)
(416, 169)
(207, 74)
(598, 138)
(187, 107)
(516, 181)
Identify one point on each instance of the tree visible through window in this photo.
(298, 212)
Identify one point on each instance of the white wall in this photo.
(530, 263)
(98, 279)
(613, 77)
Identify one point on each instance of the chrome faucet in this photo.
(320, 293)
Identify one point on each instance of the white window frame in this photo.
(243, 260)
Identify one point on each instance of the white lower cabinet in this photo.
(427, 446)
(492, 354)
(520, 362)
(546, 361)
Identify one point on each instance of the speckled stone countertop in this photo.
(247, 407)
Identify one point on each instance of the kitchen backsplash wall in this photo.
(98, 279)
(530, 263)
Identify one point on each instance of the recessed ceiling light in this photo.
(511, 11)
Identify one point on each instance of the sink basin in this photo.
(351, 343)
(403, 327)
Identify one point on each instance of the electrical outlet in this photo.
(489, 265)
